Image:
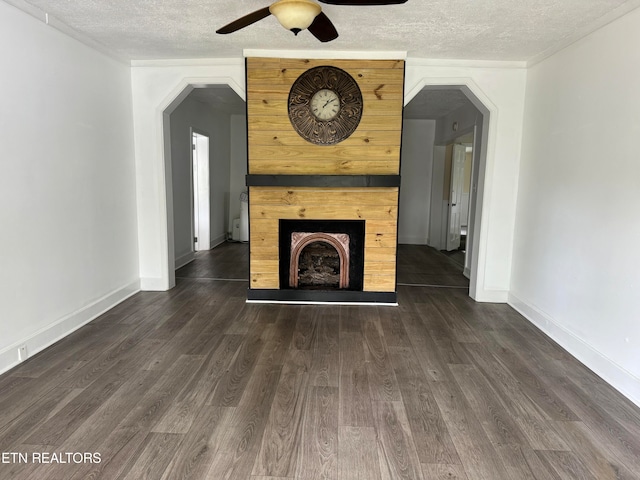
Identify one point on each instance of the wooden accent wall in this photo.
(276, 149)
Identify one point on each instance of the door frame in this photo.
(200, 193)
(475, 252)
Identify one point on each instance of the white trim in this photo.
(184, 259)
(450, 62)
(327, 54)
(485, 178)
(154, 284)
(65, 29)
(299, 302)
(52, 333)
(612, 373)
(219, 240)
(490, 296)
(162, 147)
(188, 62)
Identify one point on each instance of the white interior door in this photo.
(201, 208)
(455, 197)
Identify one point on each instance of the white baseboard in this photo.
(59, 329)
(612, 373)
(219, 240)
(184, 259)
(154, 284)
(491, 296)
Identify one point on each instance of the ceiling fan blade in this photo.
(323, 29)
(245, 21)
(363, 2)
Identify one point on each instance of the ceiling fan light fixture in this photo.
(295, 15)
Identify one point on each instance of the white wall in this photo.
(156, 87)
(68, 248)
(415, 169)
(576, 266)
(500, 87)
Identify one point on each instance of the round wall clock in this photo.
(325, 105)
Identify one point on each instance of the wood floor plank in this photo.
(193, 458)
(282, 433)
(240, 442)
(327, 330)
(566, 465)
(31, 418)
(229, 389)
(424, 347)
(535, 386)
(396, 450)
(183, 410)
(610, 434)
(90, 435)
(155, 454)
(121, 445)
(488, 406)
(277, 336)
(443, 472)
(355, 398)
(58, 428)
(479, 458)
(358, 458)
(393, 329)
(430, 433)
(318, 452)
(523, 463)
(382, 380)
(600, 462)
(537, 427)
(325, 370)
(305, 329)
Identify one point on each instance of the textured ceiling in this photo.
(511, 30)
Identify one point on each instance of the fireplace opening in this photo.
(321, 254)
(318, 267)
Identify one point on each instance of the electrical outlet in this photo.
(22, 353)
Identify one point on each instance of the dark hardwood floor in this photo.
(195, 383)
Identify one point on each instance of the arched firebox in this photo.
(319, 260)
(321, 254)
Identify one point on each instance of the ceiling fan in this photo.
(297, 15)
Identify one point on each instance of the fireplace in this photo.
(321, 254)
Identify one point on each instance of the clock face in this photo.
(325, 104)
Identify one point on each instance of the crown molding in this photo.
(431, 62)
(327, 54)
(601, 22)
(188, 62)
(62, 27)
